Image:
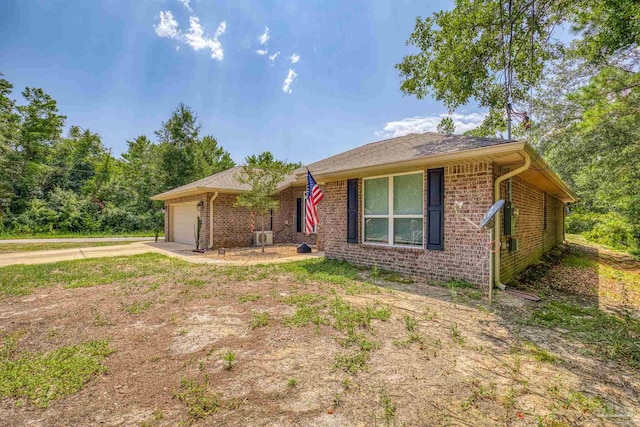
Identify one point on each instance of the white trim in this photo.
(390, 217)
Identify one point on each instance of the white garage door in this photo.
(184, 221)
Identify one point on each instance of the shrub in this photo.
(613, 230)
(578, 223)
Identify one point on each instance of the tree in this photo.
(263, 173)
(177, 139)
(184, 156)
(446, 126)
(9, 131)
(472, 51)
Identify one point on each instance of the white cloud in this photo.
(168, 26)
(274, 56)
(262, 52)
(197, 39)
(264, 37)
(463, 123)
(286, 85)
(186, 5)
(294, 58)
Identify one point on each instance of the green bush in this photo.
(613, 230)
(578, 223)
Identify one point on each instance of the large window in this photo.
(394, 210)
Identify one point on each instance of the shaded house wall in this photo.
(535, 235)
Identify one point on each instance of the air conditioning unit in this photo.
(258, 236)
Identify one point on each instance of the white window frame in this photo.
(390, 216)
(304, 216)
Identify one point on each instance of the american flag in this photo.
(314, 196)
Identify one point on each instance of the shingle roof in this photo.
(221, 181)
(400, 149)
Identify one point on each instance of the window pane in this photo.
(376, 230)
(408, 194)
(376, 196)
(407, 231)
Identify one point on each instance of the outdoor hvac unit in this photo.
(258, 236)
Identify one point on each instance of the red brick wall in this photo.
(533, 239)
(232, 225)
(464, 256)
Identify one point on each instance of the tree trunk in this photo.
(262, 234)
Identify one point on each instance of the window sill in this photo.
(393, 247)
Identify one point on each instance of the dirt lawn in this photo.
(149, 340)
(255, 253)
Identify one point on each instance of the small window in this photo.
(394, 210)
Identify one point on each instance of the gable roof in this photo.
(224, 182)
(399, 154)
(401, 149)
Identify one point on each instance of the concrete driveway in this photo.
(176, 250)
(83, 240)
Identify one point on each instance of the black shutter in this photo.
(299, 215)
(435, 209)
(352, 211)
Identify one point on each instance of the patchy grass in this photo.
(40, 378)
(138, 307)
(578, 260)
(195, 395)
(24, 279)
(301, 342)
(248, 297)
(540, 354)
(259, 320)
(8, 248)
(605, 335)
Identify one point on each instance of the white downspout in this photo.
(498, 222)
(211, 219)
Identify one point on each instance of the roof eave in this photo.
(193, 191)
(432, 159)
(546, 170)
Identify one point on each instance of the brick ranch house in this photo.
(391, 204)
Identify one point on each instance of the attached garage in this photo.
(184, 217)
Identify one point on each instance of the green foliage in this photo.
(446, 126)
(53, 182)
(264, 174)
(259, 320)
(229, 358)
(611, 229)
(43, 377)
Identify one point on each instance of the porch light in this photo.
(200, 205)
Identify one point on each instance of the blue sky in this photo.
(120, 67)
